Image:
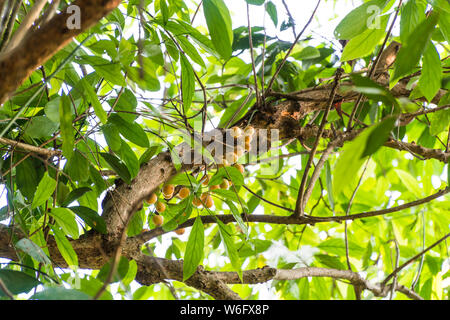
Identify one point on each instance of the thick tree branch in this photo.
(41, 44)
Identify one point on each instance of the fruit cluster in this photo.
(205, 199)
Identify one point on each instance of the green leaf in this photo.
(352, 158)
(430, 79)
(379, 135)
(131, 131)
(230, 248)
(65, 218)
(272, 11)
(130, 159)
(91, 218)
(237, 216)
(60, 293)
(118, 166)
(330, 261)
(105, 68)
(409, 54)
(444, 23)
(187, 82)
(374, 91)
(255, 2)
(112, 136)
(121, 271)
(409, 181)
(91, 96)
(67, 131)
(65, 248)
(40, 127)
(219, 24)
(44, 190)
(413, 12)
(17, 282)
(307, 53)
(164, 10)
(358, 20)
(74, 195)
(190, 50)
(77, 167)
(439, 121)
(194, 249)
(230, 173)
(365, 43)
(32, 249)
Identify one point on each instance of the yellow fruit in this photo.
(157, 220)
(214, 187)
(224, 163)
(180, 231)
(239, 151)
(207, 200)
(225, 184)
(168, 196)
(248, 139)
(236, 132)
(152, 199)
(184, 193)
(205, 180)
(168, 189)
(248, 146)
(160, 207)
(240, 167)
(249, 131)
(196, 202)
(232, 157)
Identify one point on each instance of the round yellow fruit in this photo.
(184, 193)
(249, 131)
(168, 189)
(240, 167)
(180, 231)
(215, 187)
(160, 207)
(205, 180)
(225, 184)
(236, 132)
(152, 199)
(157, 220)
(196, 202)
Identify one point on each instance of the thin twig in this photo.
(280, 66)
(299, 206)
(398, 269)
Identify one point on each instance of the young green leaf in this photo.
(237, 216)
(378, 135)
(29, 247)
(91, 96)
(65, 248)
(17, 282)
(230, 248)
(413, 12)
(65, 218)
(359, 19)
(131, 131)
(117, 166)
(60, 293)
(365, 43)
(430, 79)
(219, 24)
(272, 11)
(67, 131)
(187, 83)
(44, 190)
(194, 249)
(409, 54)
(92, 218)
(130, 159)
